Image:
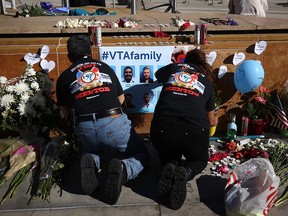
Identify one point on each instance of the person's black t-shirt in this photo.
(186, 94)
(90, 86)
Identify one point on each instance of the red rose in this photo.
(264, 154)
(245, 153)
(238, 155)
(254, 152)
(160, 34)
(217, 156)
(184, 26)
(231, 145)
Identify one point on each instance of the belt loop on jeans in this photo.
(94, 116)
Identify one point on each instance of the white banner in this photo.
(143, 94)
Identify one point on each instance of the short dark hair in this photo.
(128, 67)
(78, 46)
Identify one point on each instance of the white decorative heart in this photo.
(32, 58)
(238, 58)
(222, 71)
(260, 47)
(47, 66)
(210, 58)
(44, 52)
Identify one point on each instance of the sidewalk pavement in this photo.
(205, 193)
(277, 8)
(205, 197)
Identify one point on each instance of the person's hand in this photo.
(178, 55)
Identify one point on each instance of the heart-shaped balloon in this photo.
(260, 47)
(222, 71)
(44, 52)
(211, 57)
(238, 58)
(32, 58)
(47, 66)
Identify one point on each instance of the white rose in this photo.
(3, 80)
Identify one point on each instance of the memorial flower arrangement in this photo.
(44, 9)
(26, 101)
(122, 22)
(258, 106)
(182, 24)
(236, 153)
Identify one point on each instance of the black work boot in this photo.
(116, 177)
(190, 174)
(179, 191)
(166, 178)
(89, 180)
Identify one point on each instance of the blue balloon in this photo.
(248, 76)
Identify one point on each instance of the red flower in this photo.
(260, 100)
(223, 169)
(264, 89)
(160, 34)
(184, 26)
(254, 152)
(264, 154)
(231, 145)
(245, 153)
(217, 156)
(238, 155)
(121, 21)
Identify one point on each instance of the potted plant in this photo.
(259, 111)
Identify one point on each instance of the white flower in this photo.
(30, 72)
(192, 23)
(10, 88)
(7, 100)
(115, 25)
(181, 22)
(21, 108)
(35, 85)
(25, 97)
(3, 80)
(21, 87)
(61, 24)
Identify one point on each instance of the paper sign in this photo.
(44, 52)
(238, 58)
(222, 71)
(47, 66)
(211, 57)
(32, 58)
(260, 47)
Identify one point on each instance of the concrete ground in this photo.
(205, 193)
(277, 8)
(205, 196)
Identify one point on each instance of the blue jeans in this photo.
(109, 133)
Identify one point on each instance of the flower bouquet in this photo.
(182, 24)
(236, 153)
(123, 22)
(259, 112)
(26, 101)
(27, 105)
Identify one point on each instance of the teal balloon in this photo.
(248, 76)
